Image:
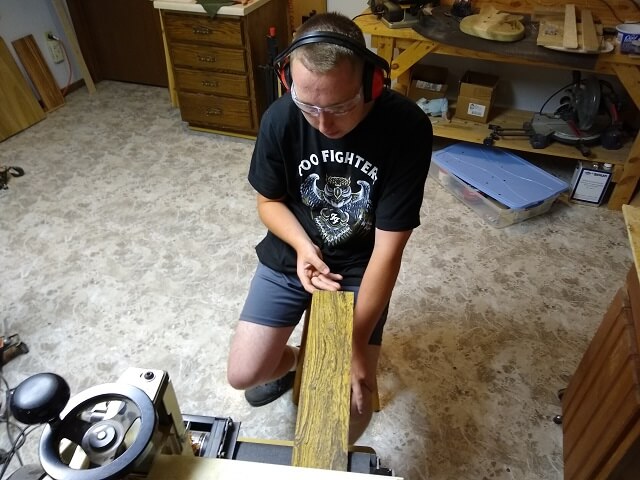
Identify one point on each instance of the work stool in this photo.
(375, 397)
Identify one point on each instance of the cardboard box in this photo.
(477, 92)
(427, 81)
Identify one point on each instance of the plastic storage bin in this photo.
(499, 186)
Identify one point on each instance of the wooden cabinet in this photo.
(601, 406)
(218, 65)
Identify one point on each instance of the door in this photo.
(120, 40)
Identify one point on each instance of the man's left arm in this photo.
(374, 294)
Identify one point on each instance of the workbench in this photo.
(404, 47)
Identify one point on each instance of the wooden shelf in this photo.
(412, 47)
(468, 131)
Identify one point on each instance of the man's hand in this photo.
(361, 386)
(314, 274)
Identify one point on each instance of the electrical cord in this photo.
(6, 415)
(16, 445)
(51, 36)
(64, 49)
(364, 15)
(18, 442)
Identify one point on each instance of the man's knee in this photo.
(242, 378)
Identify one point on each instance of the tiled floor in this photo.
(129, 242)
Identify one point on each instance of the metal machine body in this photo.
(118, 431)
(397, 13)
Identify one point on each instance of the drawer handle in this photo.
(209, 83)
(213, 112)
(207, 59)
(199, 30)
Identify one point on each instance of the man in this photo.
(339, 165)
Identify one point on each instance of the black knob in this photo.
(40, 398)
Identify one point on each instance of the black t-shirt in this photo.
(341, 190)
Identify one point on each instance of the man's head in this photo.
(326, 67)
(321, 57)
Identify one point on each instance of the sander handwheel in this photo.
(101, 440)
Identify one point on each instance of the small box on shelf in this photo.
(427, 81)
(476, 96)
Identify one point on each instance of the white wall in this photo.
(351, 8)
(23, 17)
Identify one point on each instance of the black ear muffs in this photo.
(376, 73)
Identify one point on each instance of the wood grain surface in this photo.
(20, 109)
(609, 12)
(322, 426)
(38, 71)
(493, 25)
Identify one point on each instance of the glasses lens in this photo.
(337, 110)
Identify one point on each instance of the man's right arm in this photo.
(312, 271)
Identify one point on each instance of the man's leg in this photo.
(359, 421)
(258, 355)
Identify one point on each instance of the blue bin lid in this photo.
(500, 174)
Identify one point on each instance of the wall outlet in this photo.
(55, 49)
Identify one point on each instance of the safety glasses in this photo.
(337, 110)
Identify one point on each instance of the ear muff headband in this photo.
(376, 69)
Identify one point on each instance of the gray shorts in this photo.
(276, 299)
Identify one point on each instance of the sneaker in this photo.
(267, 393)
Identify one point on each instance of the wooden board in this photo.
(38, 71)
(570, 35)
(492, 24)
(322, 427)
(565, 33)
(63, 16)
(20, 109)
(589, 33)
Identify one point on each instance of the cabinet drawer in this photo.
(201, 109)
(215, 58)
(212, 82)
(200, 28)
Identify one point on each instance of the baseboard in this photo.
(77, 85)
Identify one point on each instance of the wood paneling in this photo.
(38, 71)
(120, 40)
(20, 109)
